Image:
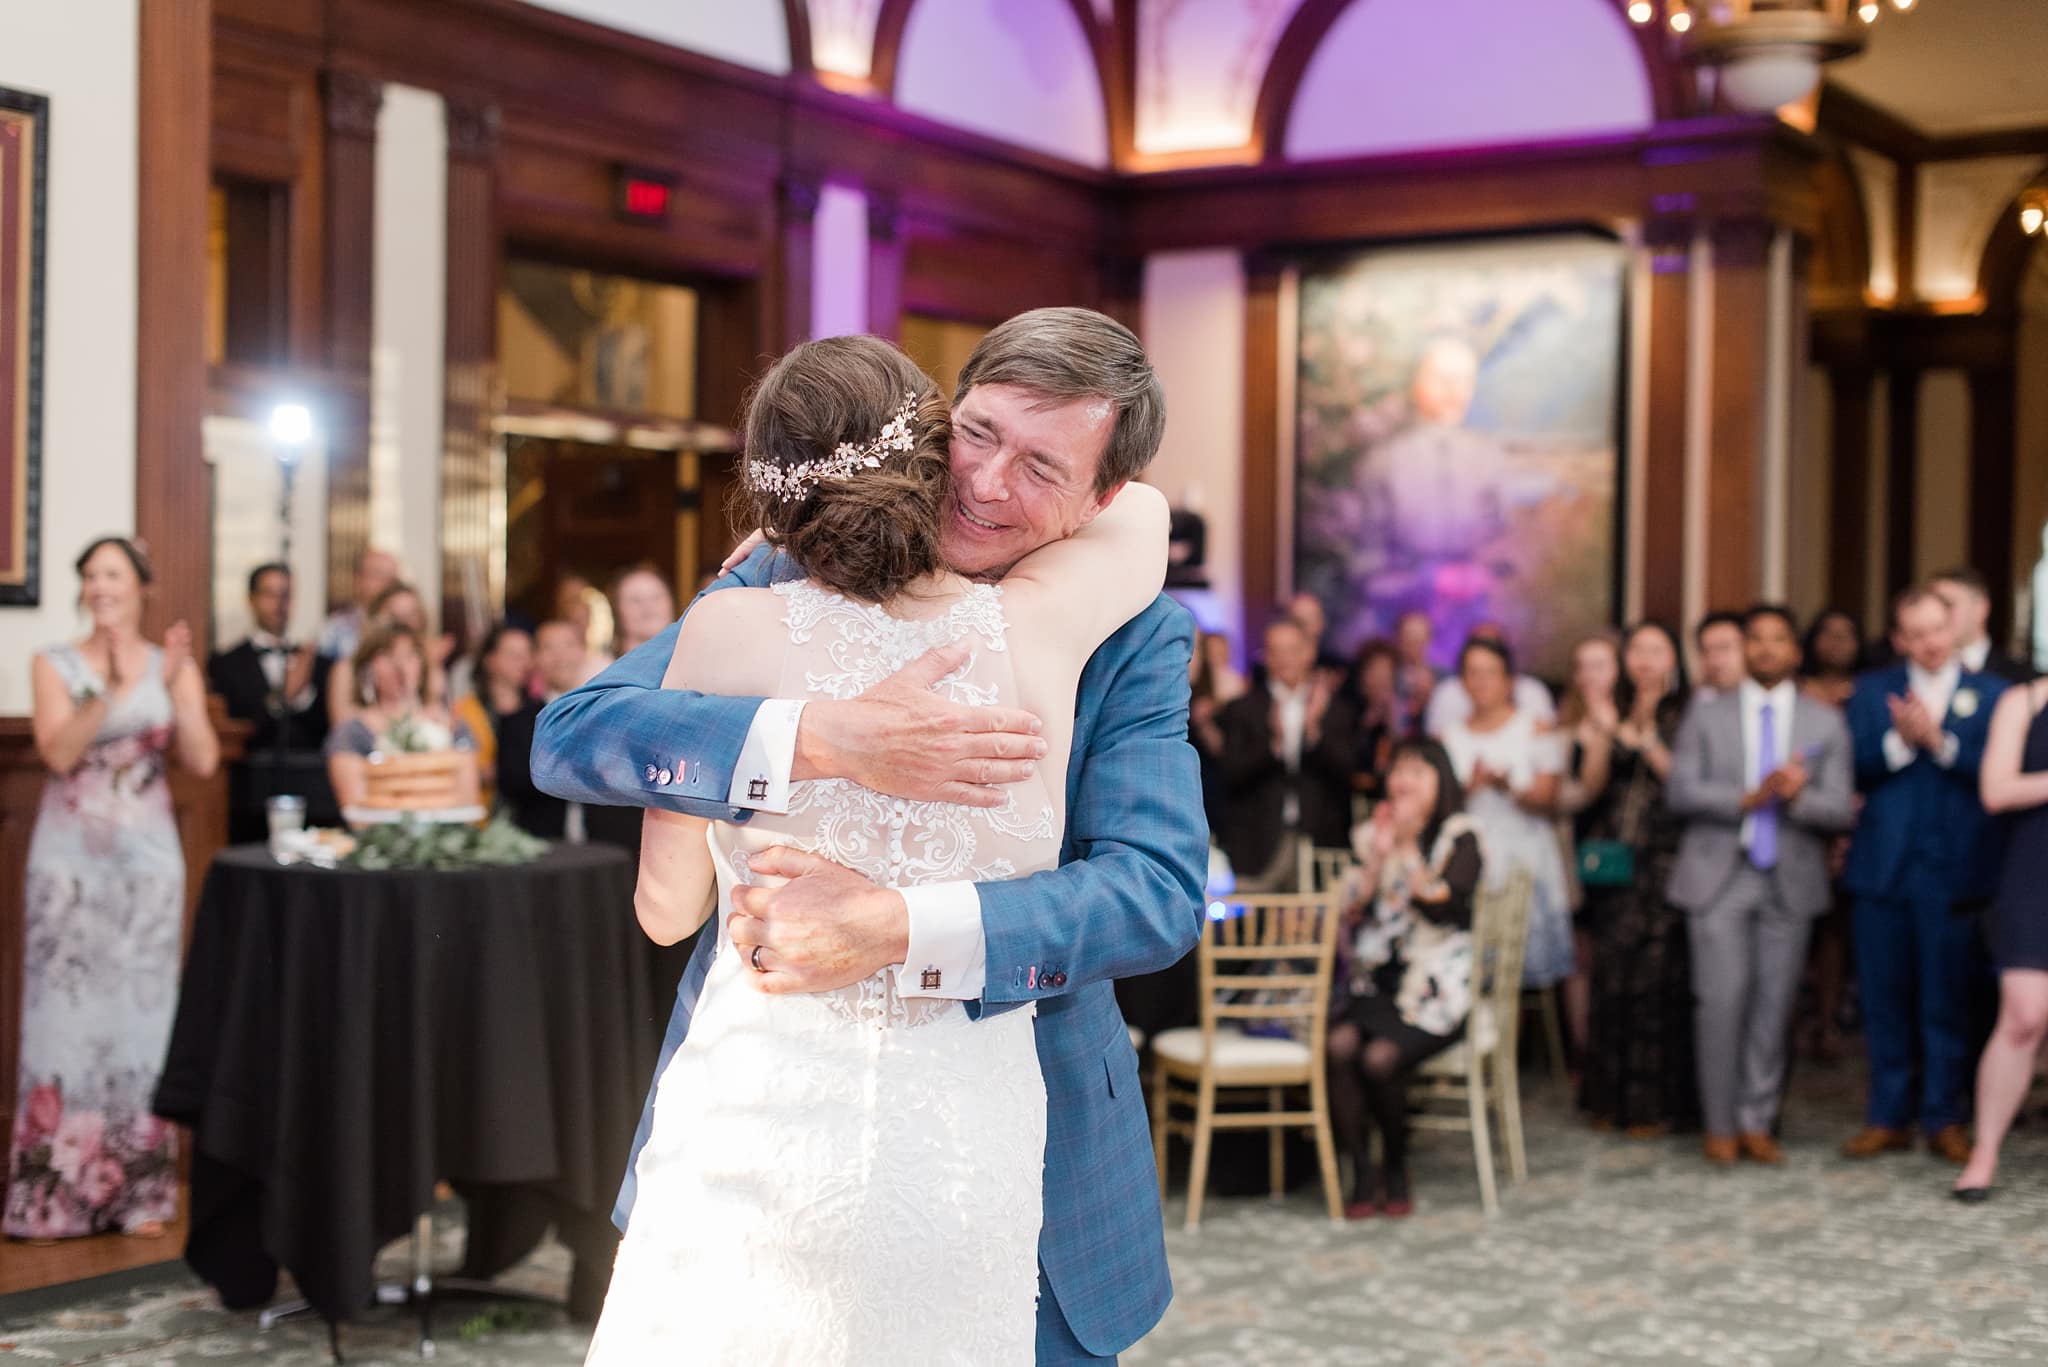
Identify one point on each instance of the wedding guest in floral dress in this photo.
(105, 915)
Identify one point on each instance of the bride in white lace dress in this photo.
(855, 1176)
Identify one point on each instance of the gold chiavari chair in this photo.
(1264, 959)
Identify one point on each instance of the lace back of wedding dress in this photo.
(838, 649)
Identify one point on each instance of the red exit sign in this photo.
(643, 196)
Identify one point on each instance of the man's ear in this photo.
(1094, 510)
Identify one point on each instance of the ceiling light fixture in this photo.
(1768, 53)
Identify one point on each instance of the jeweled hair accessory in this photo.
(790, 482)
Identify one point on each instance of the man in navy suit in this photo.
(1923, 859)
(1052, 413)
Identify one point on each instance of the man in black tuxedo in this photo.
(1288, 747)
(279, 688)
(1968, 600)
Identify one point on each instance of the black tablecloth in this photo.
(345, 1039)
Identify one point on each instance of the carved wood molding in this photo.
(352, 103)
(472, 129)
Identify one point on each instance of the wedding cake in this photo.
(430, 782)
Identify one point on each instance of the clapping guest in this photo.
(1213, 684)
(501, 715)
(1588, 721)
(1639, 1073)
(1761, 778)
(645, 609)
(376, 571)
(398, 604)
(1286, 762)
(1404, 983)
(275, 686)
(1924, 851)
(2014, 780)
(1830, 658)
(1382, 720)
(104, 914)
(563, 661)
(1305, 610)
(1509, 766)
(1720, 639)
(1450, 704)
(393, 668)
(1415, 677)
(1968, 599)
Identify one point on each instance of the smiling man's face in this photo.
(1024, 470)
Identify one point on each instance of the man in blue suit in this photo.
(1053, 412)
(1924, 857)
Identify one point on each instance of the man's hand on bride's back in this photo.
(903, 739)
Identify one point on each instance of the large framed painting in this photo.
(24, 156)
(1458, 450)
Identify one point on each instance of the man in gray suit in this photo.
(1763, 776)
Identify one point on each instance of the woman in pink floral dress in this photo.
(105, 915)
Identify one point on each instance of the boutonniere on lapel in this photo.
(1965, 704)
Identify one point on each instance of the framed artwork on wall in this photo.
(24, 171)
(1459, 421)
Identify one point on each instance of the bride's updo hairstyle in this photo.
(846, 465)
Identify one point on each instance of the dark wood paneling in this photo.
(1735, 474)
(173, 484)
(351, 104)
(471, 358)
(1902, 479)
(1994, 436)
(1849, 487)
(1264, 277)
(886, 262)
(1663, 528)
(1906, 233)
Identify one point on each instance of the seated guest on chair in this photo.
(275, 686)
(1924, 860)
(500, 715)
(1761, 776)
(1404, 984)
(1286, 763)
(396, 716)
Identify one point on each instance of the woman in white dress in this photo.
(1510, 767)
(856, 1176)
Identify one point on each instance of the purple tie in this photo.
(1763, 831)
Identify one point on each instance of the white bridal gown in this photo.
(853, 1177)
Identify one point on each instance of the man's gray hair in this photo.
(1072, 353)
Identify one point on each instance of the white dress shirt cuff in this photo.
(1951, 746)
(1897, 754)
(948, 955)
(760, 781)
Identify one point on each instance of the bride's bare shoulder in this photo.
(717, 646)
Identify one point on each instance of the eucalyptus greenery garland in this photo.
(443, 846)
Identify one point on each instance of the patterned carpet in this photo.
(1614, 1252)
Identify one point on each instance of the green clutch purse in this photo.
(1607, 863)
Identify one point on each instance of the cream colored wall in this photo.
(1193, 329)
(88, 451)
(409, 320)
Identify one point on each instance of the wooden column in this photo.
(1994, 434)
(1902, 479)
(885, 266)
(786, 303)
(1735, 468)
(471, 358)
(173, 484)
(352, 103)
(1262, 492)
(1663, 529)
(1849, 488)
(1123, 289)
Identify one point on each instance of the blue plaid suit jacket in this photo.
(1126, 900)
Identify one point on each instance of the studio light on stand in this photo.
(291, 430)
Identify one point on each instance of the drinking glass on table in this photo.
(287, 817)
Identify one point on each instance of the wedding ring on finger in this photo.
(755, 960)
